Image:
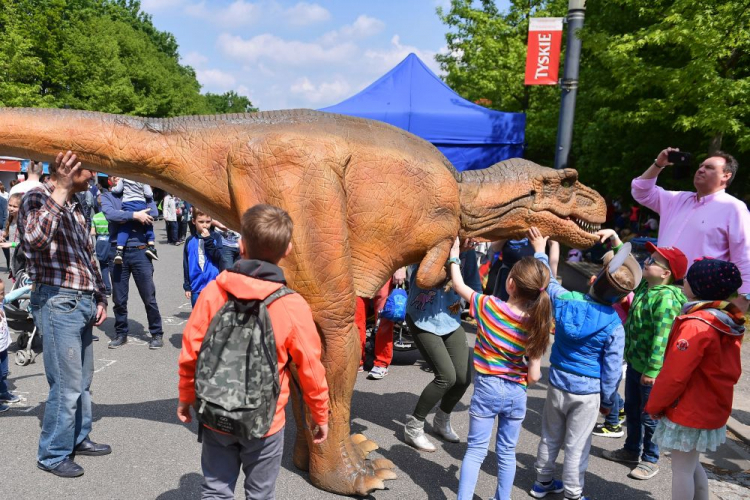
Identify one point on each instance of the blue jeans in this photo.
(493, 397)
(640, 425)
(172, 231)
(613, 418)
(135, 263)
(229, 255)
(124, 229)
(65, 318)
(194, 298)
(3, 371)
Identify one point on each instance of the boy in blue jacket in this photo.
(201, 259)
(586, 364)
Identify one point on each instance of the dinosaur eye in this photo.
(566, 183)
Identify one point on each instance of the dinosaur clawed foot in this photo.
(348, 471)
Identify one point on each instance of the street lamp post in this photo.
(576, 11)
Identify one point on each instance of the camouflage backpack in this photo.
(237, 375)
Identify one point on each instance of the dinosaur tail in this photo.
(115, 144)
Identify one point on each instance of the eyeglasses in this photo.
(651, 261)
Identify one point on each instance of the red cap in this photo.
(678, 263)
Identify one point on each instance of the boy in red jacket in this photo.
(266, 239)
(692, 395)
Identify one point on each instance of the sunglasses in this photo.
(651, 261)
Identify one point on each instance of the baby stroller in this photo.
(18, 313)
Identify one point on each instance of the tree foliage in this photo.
(102, 55)
(653, 74)
(230, 102)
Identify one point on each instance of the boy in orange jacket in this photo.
(266, 239)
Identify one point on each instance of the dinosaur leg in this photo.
(431, 271)
(320, 268)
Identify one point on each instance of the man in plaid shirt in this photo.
(657, 302)
(67, 301)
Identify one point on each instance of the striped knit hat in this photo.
(713, 279)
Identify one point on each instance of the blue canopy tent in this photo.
(412, 97)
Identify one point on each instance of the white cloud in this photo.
(238, 13)
(154, 5)
(305, 13)
(215, 80)
(194, 59)
(278, 51)
(364, 26)
(332, 91)
(381, 61)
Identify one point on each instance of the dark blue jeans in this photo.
(172, 231)
(3, 371)
(124, 229)
(135, 263)
(613, 418)
(229, 255)
(640, 425)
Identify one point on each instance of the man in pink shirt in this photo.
(709, 222)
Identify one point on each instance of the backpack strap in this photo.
(284, 290)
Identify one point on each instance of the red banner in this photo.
(543, 56)
(10, 165)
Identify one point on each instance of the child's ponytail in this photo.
(531, 278)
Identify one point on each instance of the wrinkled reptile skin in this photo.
(366, 198)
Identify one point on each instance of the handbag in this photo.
(395, 306)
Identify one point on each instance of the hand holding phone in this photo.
(680, 158)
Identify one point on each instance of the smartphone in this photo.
(680, 158)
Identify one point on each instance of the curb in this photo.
(741, 430)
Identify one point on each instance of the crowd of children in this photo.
(681, 345)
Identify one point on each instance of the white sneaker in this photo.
(377, 372)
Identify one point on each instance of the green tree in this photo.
(103, 55)
(486, 60)
(653, 73)
(229, 102)
(658, 73)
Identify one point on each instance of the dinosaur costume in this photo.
(366, 198)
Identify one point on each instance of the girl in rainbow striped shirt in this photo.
(511, 339)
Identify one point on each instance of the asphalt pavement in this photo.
(156, 457)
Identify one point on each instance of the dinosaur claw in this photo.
(368, 484)
(383, 463)
(367, 446)
(385, 474)
(358, 438)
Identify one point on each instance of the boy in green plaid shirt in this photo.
(656, 304)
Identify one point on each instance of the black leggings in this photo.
(448, 356)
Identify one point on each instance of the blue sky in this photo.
(289, 54)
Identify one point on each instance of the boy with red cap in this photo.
(656, 304)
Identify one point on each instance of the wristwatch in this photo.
(454, 260)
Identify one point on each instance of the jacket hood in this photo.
(726, 317)
(251, 279)
(584, 317)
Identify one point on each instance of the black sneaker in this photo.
(118, 341)
(151, 252)
(66, 468)
(621, 416)
(156, 342)
(118, 257)
(608, 431)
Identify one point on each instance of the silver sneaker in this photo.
(442, 427)
(377, 372)
(414, 434)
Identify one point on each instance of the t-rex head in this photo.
(504, 200)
